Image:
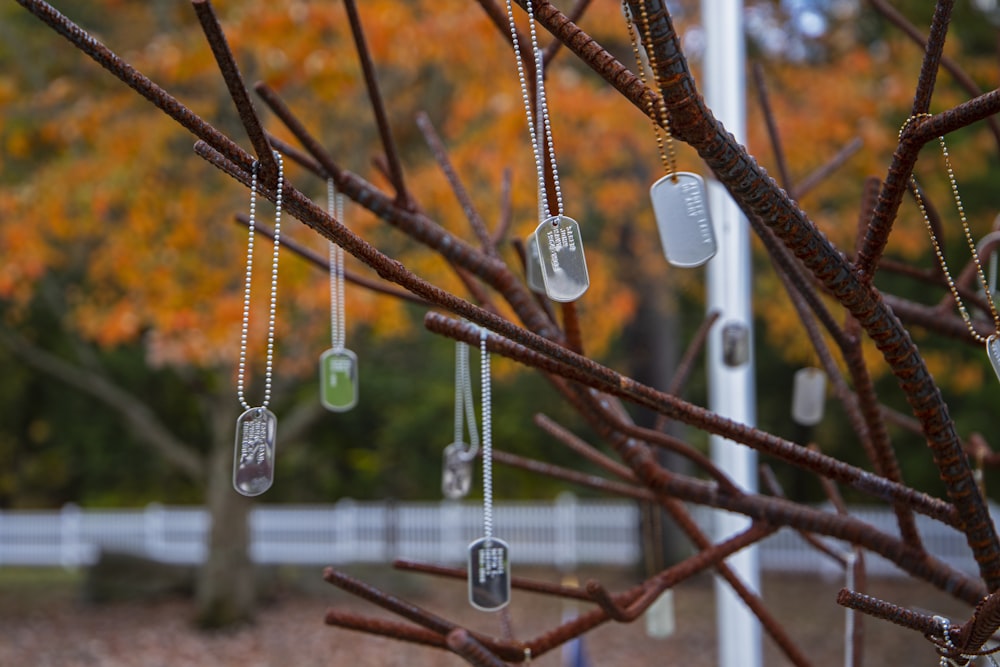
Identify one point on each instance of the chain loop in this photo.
(658, 115)
(543, 133)
(935, 243)
(273, 305)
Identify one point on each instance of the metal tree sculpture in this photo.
(805, 260)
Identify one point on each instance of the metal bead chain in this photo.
(545, 128)
(948, 646)
(464, 409)
(245, 328)
(664, 139)
(335, 208)
(968, 239)
(487, 437)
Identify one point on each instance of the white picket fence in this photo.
(561, 533)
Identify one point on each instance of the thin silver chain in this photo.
(335, 208)
(543, 111)
(968, 239)
(487, 437)
(464, 408)
(245, 328)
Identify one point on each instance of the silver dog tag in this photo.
(489, 574)
(253, 464)
(686, 233)
(560, 250)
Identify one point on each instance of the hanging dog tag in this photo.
(679, 205)
(660, 618)
(456, 474)
(993, 352)
(338, 380)
(253, 464)
(560, 252)
(808, 396)
(533, 266)
(489, 574)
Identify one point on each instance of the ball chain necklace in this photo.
(556, 241)
(456, 476)
(678, 198)
(992, 341)
(338, 366)
(489, 556)
(256, 428)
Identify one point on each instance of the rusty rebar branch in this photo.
(395, 167)
(465, 645)
(323, 263)
(613, 383)
(519, 583)
(138, 82)
(458, 189)
(234, 83)
(583, 448)
(758, 195)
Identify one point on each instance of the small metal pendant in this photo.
(993, 352)
(679, 205)
(808, 396)
(253, 463)
(489, 574)
(456, 473)
(338, 380)
(660, 618)
(560, 252)
(533, 266)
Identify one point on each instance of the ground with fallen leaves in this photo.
(44, 623)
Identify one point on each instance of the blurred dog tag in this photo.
(808, 396)
(533, 266)
(560, 251)
(456, 475)
(660, 619)
(489, 574)
(993, 351)
(338, 380)
(686, 233)
(253, 464)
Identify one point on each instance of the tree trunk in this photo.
(226, 589)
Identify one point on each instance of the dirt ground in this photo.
(44, 624)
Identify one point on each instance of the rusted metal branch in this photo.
(137, 81)
(771, 484)
(757, 194)
(913, 33)
(519, 583)
(558, 472)
(385, 628)
(821, 173)
(505, 217)
(378, 105)
(323, 263)
(457, 187)
(571, 327)
(784, 176)
(234, 82)
(613, 383)
(583, 448)
(575, 14)
(464, 644)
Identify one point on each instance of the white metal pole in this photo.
(730, 347)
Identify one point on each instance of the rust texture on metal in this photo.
(809, 266)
